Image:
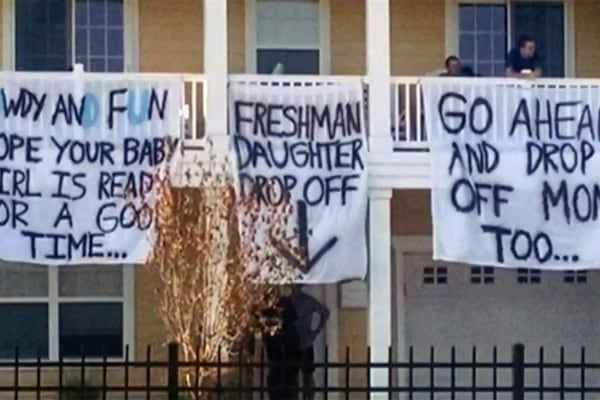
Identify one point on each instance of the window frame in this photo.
(54, 300)
(452, 27)
(130, 35)
(252, 47)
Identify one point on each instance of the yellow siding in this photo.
(587, 38)
(348, 39)
(417, 36)
(353, 336)
(171, 36)
(149, 329)
(236, 37)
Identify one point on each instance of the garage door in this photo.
(464, 306)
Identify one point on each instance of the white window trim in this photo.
(130, 32)
(324, 37)
(569, 23)
(53, 301)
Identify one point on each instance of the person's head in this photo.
(453, 66)
(526, 46)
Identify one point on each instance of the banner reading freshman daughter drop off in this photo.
(309, 142)
(516, 173)
(78, 158)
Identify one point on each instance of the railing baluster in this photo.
(495, 371)
(541, 372)
(347, 374)
(410, 373)
(82, 372)
(453, 373)
(390, 371)
(562, 373)
(16, 377)
(104, 376)
(148, 371)
(431, 373)
(219, 374)
(474, 374)
(38, 376)
(60, 376)
(368, 369)
(326, 374)
(126, 366)
(583, 391)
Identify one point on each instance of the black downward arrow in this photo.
(306, 262)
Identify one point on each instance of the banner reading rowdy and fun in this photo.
(308, 142)
(77, 166)
(516, 173)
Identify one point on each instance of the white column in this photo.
(380, 285)
(215, 71)
(378, 75)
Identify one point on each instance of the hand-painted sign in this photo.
(78, 159)
(516, 170)
(309, 144)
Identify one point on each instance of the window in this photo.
(486, 31)
(287, 35)
(575, 277)
(435, 275)
(84, 315)
(529, 276)
(482, 40)
(482, 275)
(52, 35)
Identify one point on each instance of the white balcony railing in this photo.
(194, 109)
(407, 120)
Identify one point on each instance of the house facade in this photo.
(408, 300)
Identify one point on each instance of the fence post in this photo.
(518, 372)
(173, 372)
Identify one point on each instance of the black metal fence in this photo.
(249, 378)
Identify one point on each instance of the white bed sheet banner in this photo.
(78, 157)
(311, 141)
(516, 173)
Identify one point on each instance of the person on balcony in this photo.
(453, 66)
(523, 61)
(307, 307)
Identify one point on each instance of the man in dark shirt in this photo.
(283, 351)
(306, 308)
(523, 60)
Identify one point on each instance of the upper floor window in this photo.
(487, 31)
(52, 35)
(287, 36)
